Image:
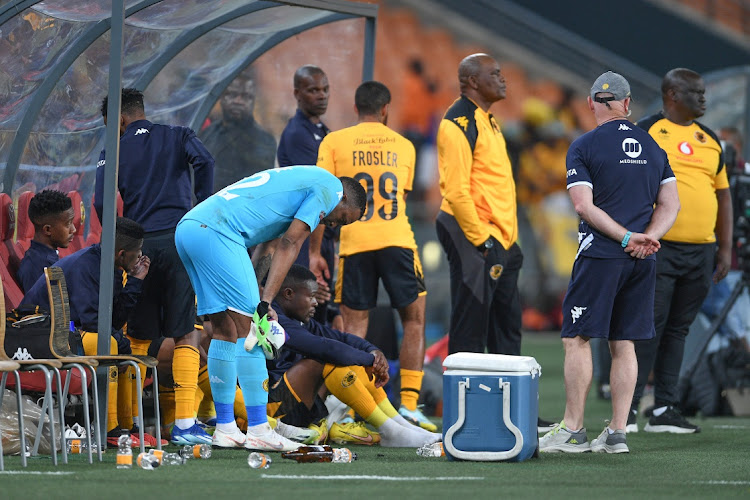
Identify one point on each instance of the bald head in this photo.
(678, 77)
(480, 80)
(471, 66)
(683, 96)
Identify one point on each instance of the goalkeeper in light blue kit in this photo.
(276, 210)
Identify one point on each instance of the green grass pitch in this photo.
(714, 463)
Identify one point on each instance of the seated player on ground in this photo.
(52, 214)
(352, 369)
(81, 271)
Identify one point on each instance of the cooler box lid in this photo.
(491, 363)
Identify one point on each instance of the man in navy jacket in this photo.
(154, 181)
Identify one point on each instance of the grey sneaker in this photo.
(560, 439)
(632, 425)
(610, 443)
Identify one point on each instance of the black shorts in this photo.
(399, 268)
(611, 299)
(285, 405)
(166, 307)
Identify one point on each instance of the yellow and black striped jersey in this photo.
(476, 179)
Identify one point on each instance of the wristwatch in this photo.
(486, 246)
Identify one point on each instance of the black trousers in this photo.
(683, 278)
(485, 302)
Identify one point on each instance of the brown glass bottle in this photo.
(319, 453)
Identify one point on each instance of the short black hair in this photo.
(49, 202)
(128, 235)
(132, 100)
(355, 193)
(296, 276)
(306, 71)
(370, 98)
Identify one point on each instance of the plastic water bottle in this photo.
(259, 460)
(196, 451)
(343, 456)
(431, 450)
(76, 446)
(124, 452)
(147, 461)
(172, 459)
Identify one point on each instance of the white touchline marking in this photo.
(732, 483)
(35, 473)
(381, 478)
(730, 426)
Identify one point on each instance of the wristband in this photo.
(626, 239)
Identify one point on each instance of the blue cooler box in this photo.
(490, 407)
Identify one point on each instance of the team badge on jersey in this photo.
(265, 385)
(348, 379)
(496, 271)
(700, 136)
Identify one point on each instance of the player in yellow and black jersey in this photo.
(381, 245)
(696, 249)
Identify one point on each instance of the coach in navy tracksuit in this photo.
(623, 188)
(154, 182)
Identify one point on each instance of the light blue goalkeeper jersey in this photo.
(261, 207)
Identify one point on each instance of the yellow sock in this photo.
(166, 404)
(205, 410)
(125, 397)
(90, 341)
(240, 412)
(140, 348)
(185, 367)
(345, 382)
(411, 383)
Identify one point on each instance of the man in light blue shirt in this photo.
(275, 210)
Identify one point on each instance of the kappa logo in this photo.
(462, 122)
(215, 380)
(141, 131)
(576, 312)
(663, 131)
(22, 354)
(624, 127)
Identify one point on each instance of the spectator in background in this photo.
(52, 214)
(239, 145)
(299, 145)
(417, 114)
(698, 246)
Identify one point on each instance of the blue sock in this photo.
(253, 377)
(222, 375)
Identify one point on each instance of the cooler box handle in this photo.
(483, 455)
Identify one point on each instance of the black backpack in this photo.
(27, 334)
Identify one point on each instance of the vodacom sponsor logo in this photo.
(685, 148)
